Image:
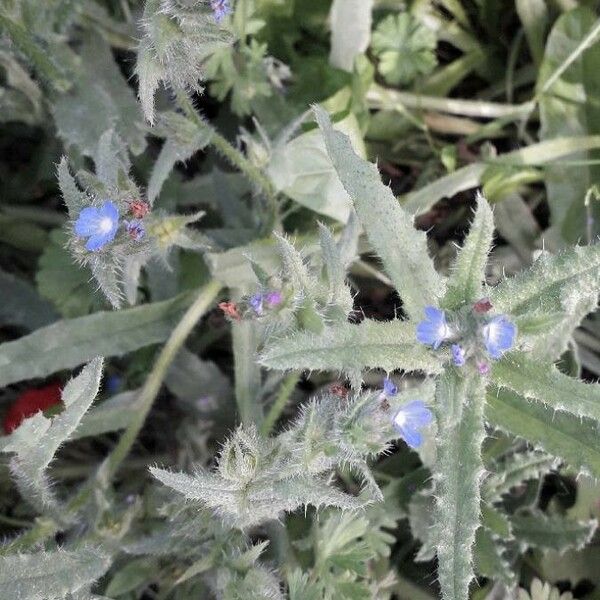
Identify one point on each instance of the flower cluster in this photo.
(410, 419)
(255, 306)
(100, 225)
(471, 334)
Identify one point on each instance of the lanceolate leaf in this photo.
(390, 229)
(50, 575)
(546, 383)
(458, 470)
(345, 347)
(37, 438)
(563, 283)
(555, 532)
(466, 282)
(575, 440)
(68, 343)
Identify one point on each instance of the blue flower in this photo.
(256, 302)
(433, 330)
(410, 419)
(458, 355)
(389, 387)
(99, 225)
(220, 9)
(135, 229)
(499, 336)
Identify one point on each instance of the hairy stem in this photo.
(285, 391)
(153, 384)
(231, 153)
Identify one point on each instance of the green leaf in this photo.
(565, 283)
(405, 49)
(575, 440)
(569, 107)
(371, 344)
(136, 573)
(62, 282)
(402, 249)
(514, 471)
(494, 521)
(458, 470)
(184, 139)
(50, 575)
(546, 383)
(302, 169)
(113, 414)
(37, 438)
(350, 31)
(100, 98)
(489, 560)
(465, 284)
(68, 343)
(244, 504)
(21, 305)
(25, 42)
(340, 294)
(551, 532)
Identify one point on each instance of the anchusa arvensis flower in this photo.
(473, 335)
(98, 224)
(410, 419)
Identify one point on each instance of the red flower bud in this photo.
(31, 402)
(139, 209)
(482, 306)
(230, 310)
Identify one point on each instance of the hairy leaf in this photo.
(37, 438)
(563, 283)
(50, 575)
(546, 383)
(514, 471)
(551, 532)
(390, 229)
(575, 440)
(21, 305)
(100, 98)
(68, 343)
(466, 281)
(347, 347)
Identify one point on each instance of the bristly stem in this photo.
(231, 153)
(283, 395)
(153, 384)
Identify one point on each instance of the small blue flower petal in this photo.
(220, 9)
(458, 355)
(412, 437)
(499, 335)
(256, 302)
(410, 419)
(434, 329)
(135, 229)
(99, 225)
(389, 387)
